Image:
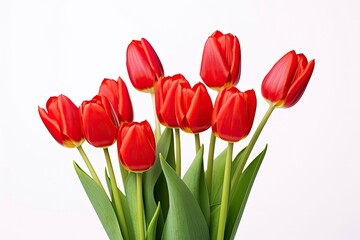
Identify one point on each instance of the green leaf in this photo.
(165, 146)
(195, 181)
(151, 231)
(124, 205)
(101, 204)
(131, 197)
(185, 219)
(214, 224)
(240, 195)
(218, 178)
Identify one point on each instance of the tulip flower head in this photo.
(143, 65)
(99, 122)
(62, 119)
(118, 95)
(233, 114)
(136, 146)
(221, 61)
(286, 82)
(165, 99)
(193, 108)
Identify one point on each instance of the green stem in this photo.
(140, 206)
(157, 123)
(197, 141)
(178, 152)
(225, 193)
(90, 167)
(249, 148)
(114, 188)
(124, 174)
(210, 163)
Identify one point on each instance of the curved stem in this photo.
(140, 206)
(157, 123)
(178, 152)
(114, 188)
(210, 163)
(249, 148)
(197, 141)
(225, 193)
(90, 167)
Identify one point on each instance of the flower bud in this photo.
(136, 146)
(221, 61)
(62, 119)
(193, 108)
(118, 95)
(287, 80)
(99, 122)
(165, 99)
(233, 114)
(143, 65)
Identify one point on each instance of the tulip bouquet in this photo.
(158, 201)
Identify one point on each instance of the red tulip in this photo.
(287, 80)
(99, 122)
(62, 119)
(118, 95)
(233, 114)
(143, 65)
(136, 146)
(193, 108)
(165, 99)
(221, 61)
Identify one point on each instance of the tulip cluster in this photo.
(216, 203)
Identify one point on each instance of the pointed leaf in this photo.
(101, 204)
(214, 224)
(218, 178)
(165, 146)
(124, 205)
(194, 178)
(240, 195)
(131, 198)
(185, 219)
(151, 231)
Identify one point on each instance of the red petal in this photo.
(277, 82)
(51, 124)
(137, 150)
(235, 64)
(125, 107)
(214, 69)
(230, 119)
(141, 75)
(98, 127)
(109, 89)
(69, 121)
(153, 58)
(199, 113)
(299, 85)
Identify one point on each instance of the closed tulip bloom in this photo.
(221, 61)
(287, 80)
(165, 99)
(136, 146)
(233, 114)
(118, 95)
(143, 65)
(62, 119)
(99, 122)
(193, 108)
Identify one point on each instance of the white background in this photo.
(308, 186)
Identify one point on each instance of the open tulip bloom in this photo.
(158, 202)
